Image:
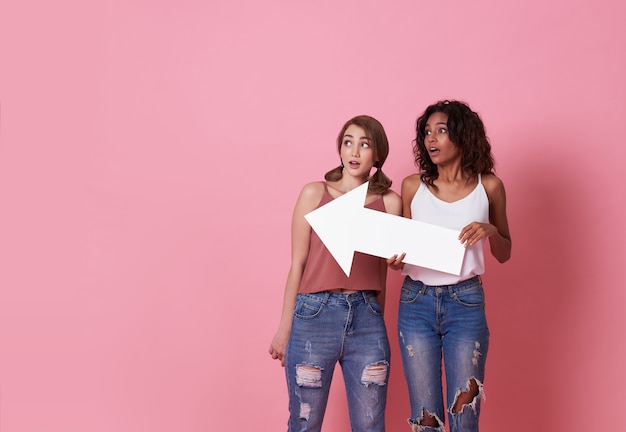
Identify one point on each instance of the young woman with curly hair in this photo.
(441, 314)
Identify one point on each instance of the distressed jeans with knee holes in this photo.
(329, 328)
(444, 320)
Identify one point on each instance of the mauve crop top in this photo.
(322, 272)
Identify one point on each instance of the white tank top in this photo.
(426, 207)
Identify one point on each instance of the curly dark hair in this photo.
(466, 130)
(379, 182)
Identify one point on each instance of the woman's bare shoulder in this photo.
(312, 193)
(393, 202)
(410, 184)
(412, 180)
(493, 187)
(491, 182)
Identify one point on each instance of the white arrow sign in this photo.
(345, 226)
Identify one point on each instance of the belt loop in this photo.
(366, 295)
(326, 297)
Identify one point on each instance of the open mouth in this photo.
(354, 164)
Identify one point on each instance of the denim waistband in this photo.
(439, 289)
(339, 298)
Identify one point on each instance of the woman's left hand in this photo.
(476, 231)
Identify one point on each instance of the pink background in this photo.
(151, 153)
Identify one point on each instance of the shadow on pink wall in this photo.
(554, 310)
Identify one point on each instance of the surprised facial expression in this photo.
(357, 153)
(437, 140)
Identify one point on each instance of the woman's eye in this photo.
(427, 132)
(347, 143)
(443, 130)
(365, 144)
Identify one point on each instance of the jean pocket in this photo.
(409, 296)
(471, 297)
(307, 308)
(374, 307)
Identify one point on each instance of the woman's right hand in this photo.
(278, 347)
(395, 262)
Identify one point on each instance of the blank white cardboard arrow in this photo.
(345, 226)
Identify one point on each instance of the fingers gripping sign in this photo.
(476, 231)
(396, 261)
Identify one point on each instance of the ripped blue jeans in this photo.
(444, 320)
(329, 328)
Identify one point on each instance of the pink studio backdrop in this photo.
(151, 153)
